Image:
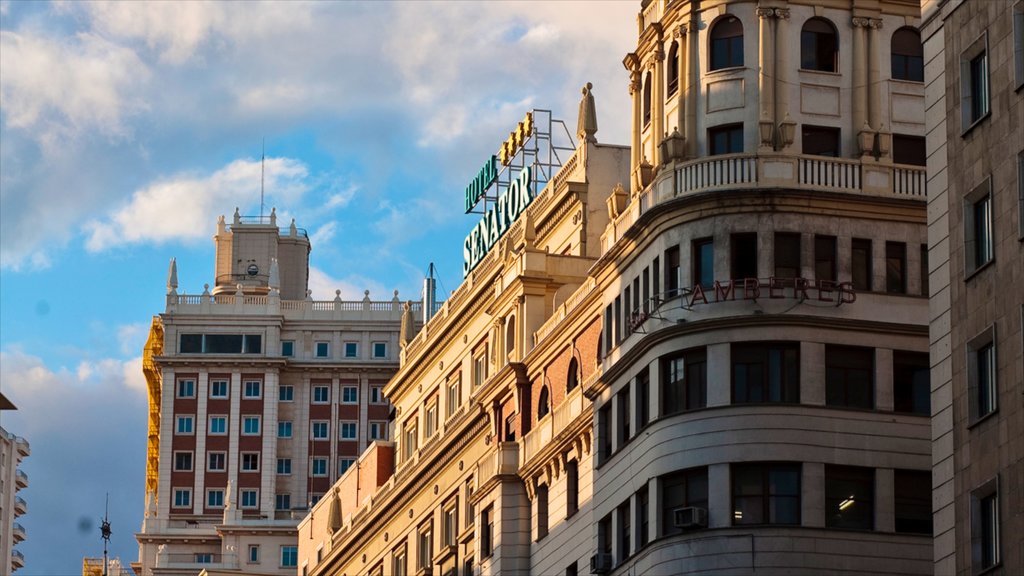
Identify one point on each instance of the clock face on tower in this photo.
(253, 270)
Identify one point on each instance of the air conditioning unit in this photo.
(601, 563)
(690, 517)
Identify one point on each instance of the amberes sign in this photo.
(772, 288)
(496, 221)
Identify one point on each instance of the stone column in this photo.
(766, 76)
(658, 103)
(874, 74)
(860, 74)
(681, 57)
(268, 466)
(635, 90)
(199, 460)
(692, 88)
(782, 67)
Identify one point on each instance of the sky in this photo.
(127, 128)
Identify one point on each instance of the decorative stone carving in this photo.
(617, 201)
(586, 124)
(673, 147)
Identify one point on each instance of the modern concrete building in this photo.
(260, 397)
(974, 70)
(13, 449)
(706, 353)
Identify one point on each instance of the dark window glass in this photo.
(849, 497)
(744, 255)
(825, 258)
(572, 377)
(656, 281)
(704, 262)
(223, 343)
(861, 264)
(487, 531)
(604, 438)
(725, 139)
(907, 55)
(908, 150)
(766, 494)
(787, 255)
(604, 535)
(979, 86)
(647, 99)
(682, 489)
(986, 535)
(911, 379)
(624, 428)
(896, 267)
(643, 397)
(672, 69)
(913, 501)
(924, 270)
(727, 43)
(765, 372)
(684, 382)
(191, 344)
(819, 48)
(850, 376)
(618, 319)
(572, 487)
(820, 140)
(672, 272)
(625, 527)
(543, 403)
(643, 512)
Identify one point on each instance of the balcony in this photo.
(21, 479)
(337, 309)
(196, 561)
(504, 461)
(22, 446)
(20, 506)
(17, 560)
(552, 425)
(18, 532)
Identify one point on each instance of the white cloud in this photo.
(323, 234)
(132, 337)
(341, 198)
(323, 287)
(410, 220)
(182, 208)
(175, 29)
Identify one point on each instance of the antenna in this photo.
(105, 531)
(263, 163)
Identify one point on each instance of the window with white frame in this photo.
(252, 389)
(218, 389)
(319, 467)
(250, 461)
(322, 349)
(216, 462)
(453, 393)
(321, 395)
(348, 431)
(287, 348)
(978, 227)
(981, 374)
(254, 553)
(986, 551)
(202, 558)
(182, 497)
(249, 498)
(380, 349)
(284, 429)
(344, 464)
(186, 389)
(376, 395)
(318, 428)
(286, 393)
(282, 501)
(218, 425)
(349, 395)
(284, 466)
(184, 425)
(215, 498)
(974, 83)
(289, 556)
(251, 426)
(425, 545)
(183, 461)
(351, 349)
(378, 430)
(410, 438)
(430, 418)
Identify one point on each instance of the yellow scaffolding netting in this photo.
(154, 347)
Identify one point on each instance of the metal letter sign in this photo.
(497, 220)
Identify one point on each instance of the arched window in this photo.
(907, 55)
(510, 335)
(673, 69)
(647, 98)
(543, 403)
(819, 46)
(572, 379)
(727, 43)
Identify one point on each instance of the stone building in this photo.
(13, 449)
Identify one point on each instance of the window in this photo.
(284, 466)
(684, 384)
(604, 535)
(974, 92)
(541, 498)
(647, 99)
(570, 570)
(625, 526)
(323, 349)
(348, 431)
(479, 367)
(319, 467)
(321, 395)
(911, 382)
(186, 389)
(425, 546)
(378, 430)
(543, 403)
(184, 425)
(399, 564)
(913, 501)
(251, 425)
(981, 374)
(510, 428)
(450, 523)
(182, 461)
(572, 487)
(319, 429)
(672, 272)
(282, 502)
(250, 462)
(704, 262)
(380, 350)
(643, 397)
(924, 270)
(896, 267)
(726, 44)
(286, 392)
(252, 389)
(349, 395)
(182, 497)
(850, 497)
(907, 55)
(215, 498)
(787, 255)
(672, 70)
(218, 389)
(289, 556)
(743, 255)
(604, 437)
(344, 464)
(850, 377)
(766, 493)
(819, 47)
(453, 393)
(656, 282)
(686, 488)
(410, 439)
(254, 553)
(725, 139)
(202, 558)
(351, 349)
(909, 150)
(643, 513)
(218, 425)
(1020, 195)
(765, 372)
(985, 533)
(430, 419)
(978, 228)
(825, 258)
(220, 344)
(1018, 44)
(820, 140)
(624, 427)
(287, 348)
(487, 531)
(216, 462)
(284, 429)
(377, 395)
(860, 262)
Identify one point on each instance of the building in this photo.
(13, 449)
(114, 567)
(974, 72)
(720, 367)
(259, 398)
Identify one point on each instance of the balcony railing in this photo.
(21, 479)
(17, 559)
(564, 310)
(18, 532)
(365, 309)
(20, 506)
(503, 461)
(552, 425)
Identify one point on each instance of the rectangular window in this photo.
(344, 464)
(643, 513)
(541, 498)
(284, 429)
(250, 462)
(411, 438)
(510, 428)
(453, 393)
(850, 376)
(351, 349)
(186, 389)
(820, 141)
(604, 535)
(765, 372)
(319, 467)
(908, 150)
(704, 262)
(216, 462)
(604, 437)
(218, 425)
(672, 272)
(860, 262)
(425, 546)
(215, 498)
(252, 389)
(399, 564)
(318, 428)
(349, 395)
(249, 498)
(184, 425)
(787, 255)
(251, 425)
(825, 267)
(487, 531)
(202, 558)
(282, 502)
(254, 553)
(683, 489)
(911, 383)
(218, 389)
(625, 529)
(743, 252)
(380, 350)
(978, 228)
(572, 488)
(323, 349)
(321, 395)
(913, 501)
(617, 326)
(479, 367)
(974, 86)
(981, 375)
(986, 549)
(849, 497)
(377, 395)
(656, 281)
(450, 523)
(725, 139)
(284, 466)
(182, 497)
(430, 419)
(378, 430)
(924, 270)
(625, 431)
(289, 556)
(348, 431)
(643, 398)
(766, 494)
(190, 344)
(287, 348)
(896, 267)
(286, 393)
(684, 381)
(1018, 44)
(183, 461)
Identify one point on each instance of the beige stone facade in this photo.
(975, 118)
(13, 449)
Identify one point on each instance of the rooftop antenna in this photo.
(105, 532)
(263, 163)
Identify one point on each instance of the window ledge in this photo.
(970, 128)
(974, 423)
(977, 270)
(823, 72)
(727, 69)
(990, 570)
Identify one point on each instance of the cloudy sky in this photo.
(127, 128)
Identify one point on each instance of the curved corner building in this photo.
(703, 354)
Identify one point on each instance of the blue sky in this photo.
(127, 128)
